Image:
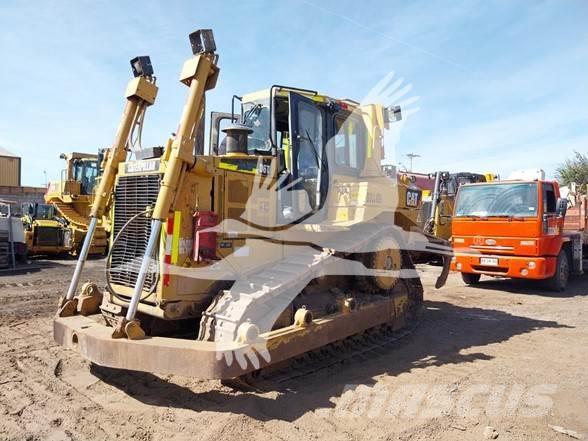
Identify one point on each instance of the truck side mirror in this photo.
(561, 206)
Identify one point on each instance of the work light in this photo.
(202, 41)
(142, 66)
(393, 114)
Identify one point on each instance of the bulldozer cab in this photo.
(80, 174)
(85, 171)
(37, 211)
(320, 149)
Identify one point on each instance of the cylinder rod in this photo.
(153, 239)
(73, 286)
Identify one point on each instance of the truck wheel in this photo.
(470, 279)
(559, 281)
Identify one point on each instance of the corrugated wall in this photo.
(9, 171)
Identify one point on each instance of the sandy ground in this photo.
(504, 355)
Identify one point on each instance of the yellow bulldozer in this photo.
(45, 232)
(437, 211)
(72, 198)
(285, 237)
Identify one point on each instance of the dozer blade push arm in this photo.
(200, 74)
(140, 93)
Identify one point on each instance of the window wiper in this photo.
(473, 216)
(254, 111)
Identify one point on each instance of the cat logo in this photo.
(412, 198)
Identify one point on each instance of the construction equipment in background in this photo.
(45, 232)
(72, 198)
(12, 238)
(436, 213)
(515, 229)
(247, 253)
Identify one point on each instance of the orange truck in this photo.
(515, 229)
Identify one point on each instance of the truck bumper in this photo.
(508, 266)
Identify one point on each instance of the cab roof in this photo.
(283, 91)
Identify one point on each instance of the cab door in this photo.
(307, 161)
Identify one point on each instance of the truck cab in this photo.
(515, 229)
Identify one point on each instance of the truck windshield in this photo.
(497, 199)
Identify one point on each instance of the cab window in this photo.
(549, 199)
(349, 133)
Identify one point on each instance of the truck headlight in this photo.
(532, 265)
(458, 240)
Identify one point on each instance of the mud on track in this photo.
(476, 350)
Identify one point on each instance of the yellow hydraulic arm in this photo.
(200, 74)
(140, 94)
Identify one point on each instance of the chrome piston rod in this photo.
(73, 286)
(153, 238)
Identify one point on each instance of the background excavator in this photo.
(286, 237)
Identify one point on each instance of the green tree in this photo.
(574, 169)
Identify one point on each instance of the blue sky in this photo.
(502, 85)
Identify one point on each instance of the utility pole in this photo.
(411, 156)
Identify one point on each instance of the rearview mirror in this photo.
(561, 207)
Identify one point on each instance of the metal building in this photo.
(10, 169)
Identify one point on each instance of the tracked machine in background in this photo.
(286, 237)
(72, 198)
(438, 211)
(46, 233)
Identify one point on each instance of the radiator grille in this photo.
(49, 236)
(133, 194)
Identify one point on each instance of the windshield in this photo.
(44, 211)
(256, 115)
(508, 199)
(85, 172)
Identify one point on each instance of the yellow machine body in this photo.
(72, 197)
(287, 235)
(226, 185)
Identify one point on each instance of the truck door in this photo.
(552, 224)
